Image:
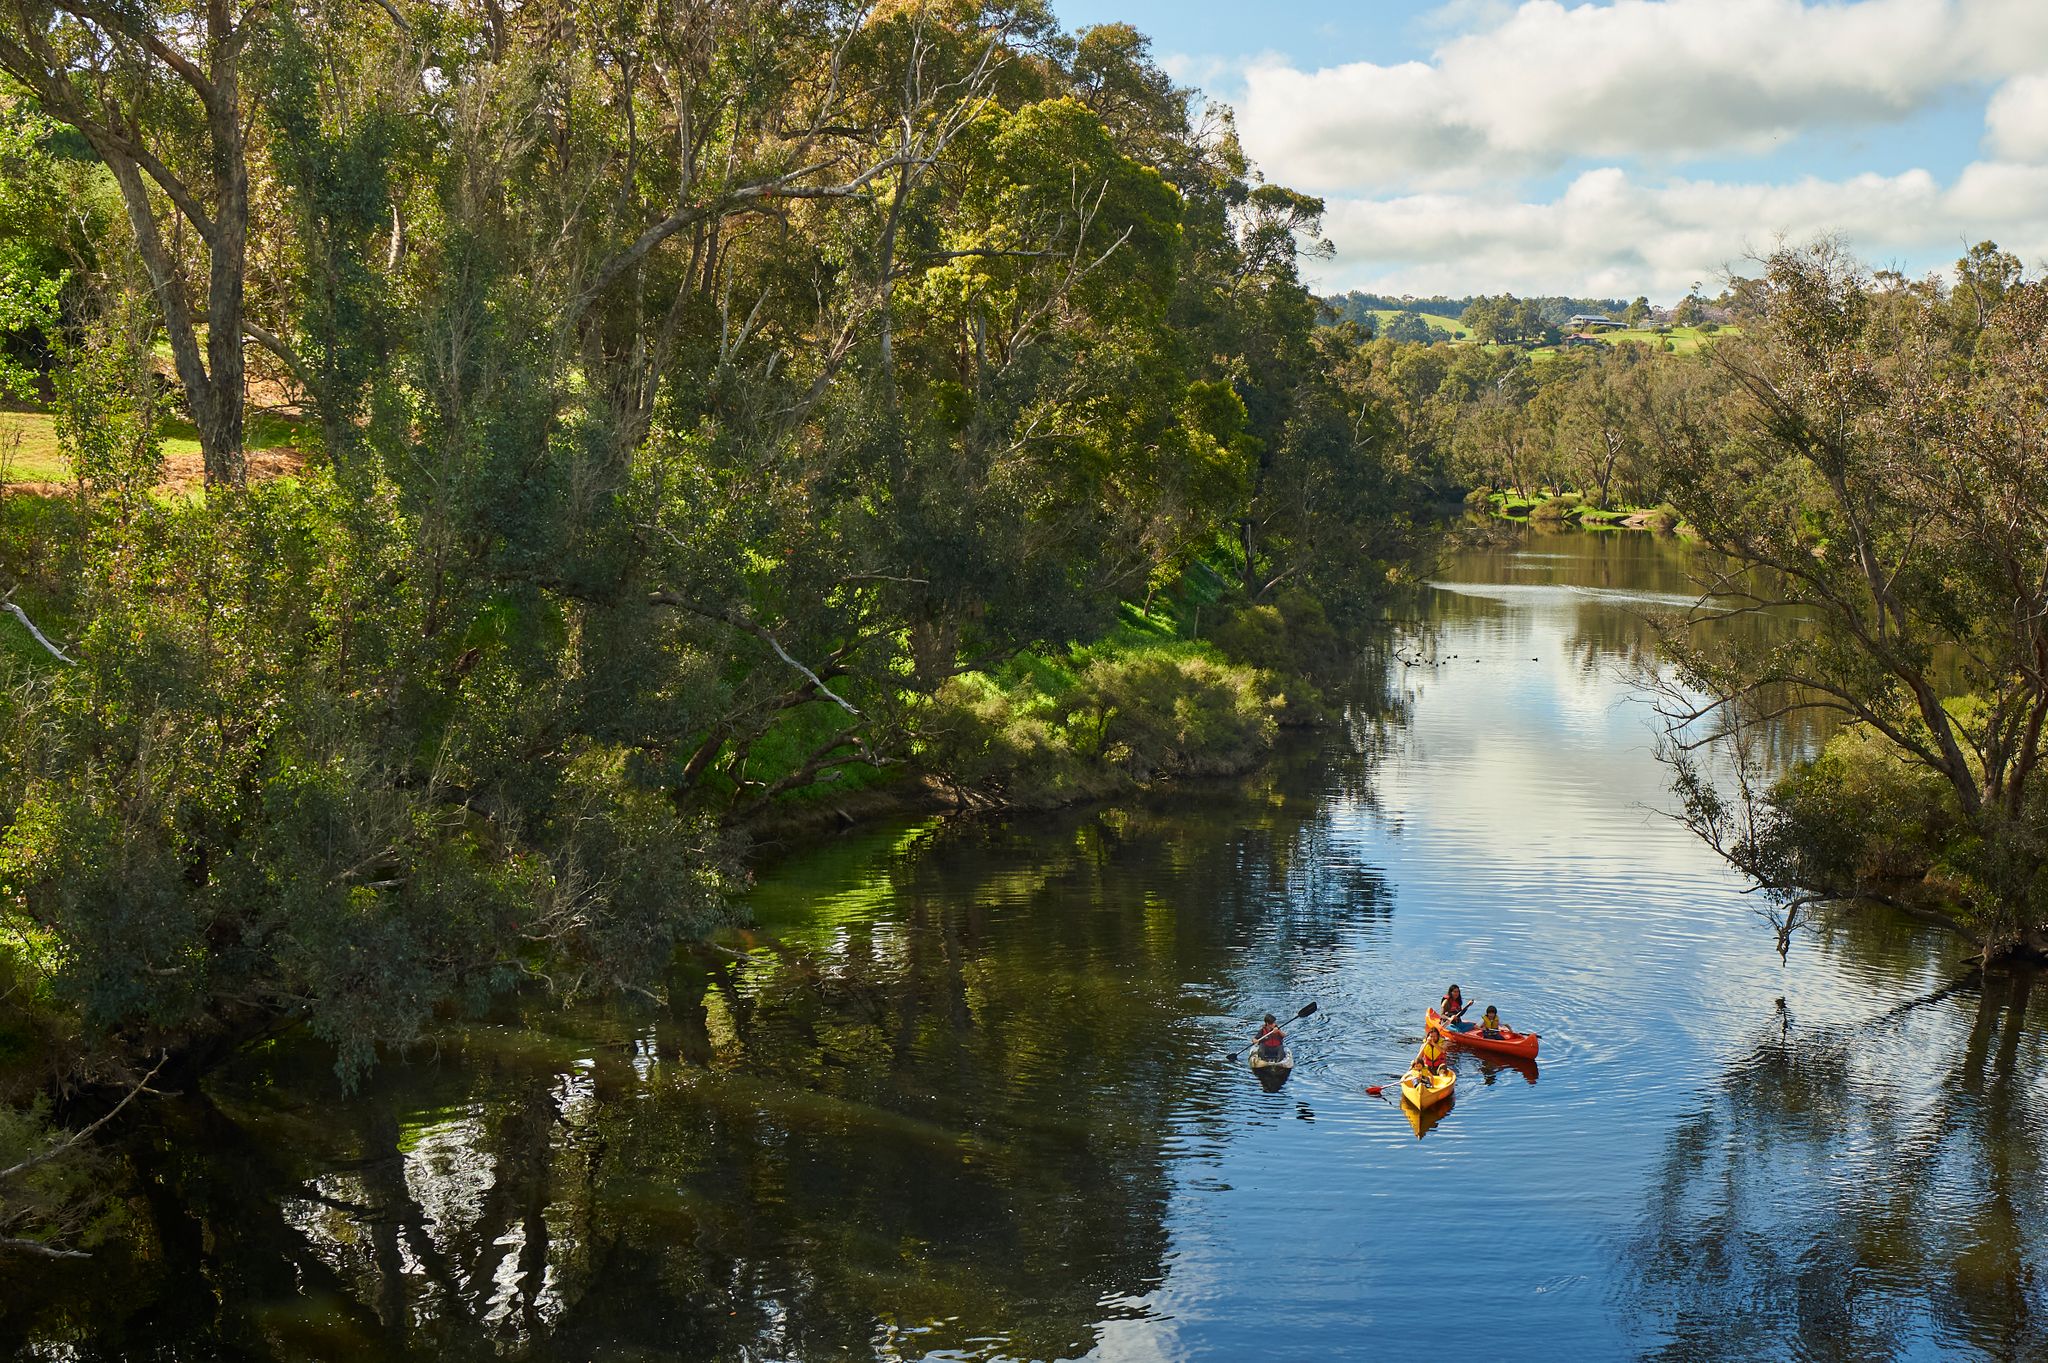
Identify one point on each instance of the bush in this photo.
(1861, 817)
(982, 734)
(1479, 496)
(1176, 710)
(1114, 717)
(1557, 508)
(1663, 518)
(1291, 637)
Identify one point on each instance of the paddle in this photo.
(1378, 1089)
(1306, 1009)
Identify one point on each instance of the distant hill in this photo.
(1367, 308)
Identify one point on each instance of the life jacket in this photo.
(1491, 1022)
(1432, 1056)
(1272, 1039)
(1445, 1007)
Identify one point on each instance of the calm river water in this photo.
(963, 1094)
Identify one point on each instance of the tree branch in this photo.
(38, 1247)
(30, 625)
(45, 1156)
(760, 632)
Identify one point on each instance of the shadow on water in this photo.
(927, 1106)
(1867, 1195)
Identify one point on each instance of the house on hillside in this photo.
(1593, 321)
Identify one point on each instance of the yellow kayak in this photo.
(1425, 1090)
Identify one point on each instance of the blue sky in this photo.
(1627, 146)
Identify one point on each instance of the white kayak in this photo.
(1285, 1062)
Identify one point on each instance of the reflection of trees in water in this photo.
(1616, 598)
(937, 1111)
(1827, 1204)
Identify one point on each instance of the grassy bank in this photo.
(30, 454)
(1570, 508)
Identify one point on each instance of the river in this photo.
(962, 1093)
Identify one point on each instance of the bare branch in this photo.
(45, 1156)
(38, 1247)
(30, 625)
(760, 632)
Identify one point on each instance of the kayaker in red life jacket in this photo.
(1451, 1008)
(1489, 1026)
(1430, 1059)
(1272, 1041)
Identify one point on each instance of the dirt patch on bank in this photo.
(184, 474)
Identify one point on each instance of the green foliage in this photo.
(1098, 720)
(111, 413)
(698, 405)
(1866, 462)
(31, 281)
(1411, 328)
(1859, 815)
(1507, 320)
(62, 1203)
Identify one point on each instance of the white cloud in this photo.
(1610, 235)
(2016, 121)
(1672, 79)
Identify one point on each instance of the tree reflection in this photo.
(1865, 1197)
(933, 1113)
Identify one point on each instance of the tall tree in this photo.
(1870, 472)
(157, 90)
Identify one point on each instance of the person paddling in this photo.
(1451, 1008)
(1272, 1042)
(1490, 1026)
(1431, 1059)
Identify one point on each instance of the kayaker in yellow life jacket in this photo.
(1451, 1007)
(1272, 1041)
(1430, 1059)
(1489, 1026)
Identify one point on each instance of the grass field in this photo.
(36, 459)
(1446, 325)
(1684, 340)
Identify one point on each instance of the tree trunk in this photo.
(212, 379)
(220, 428)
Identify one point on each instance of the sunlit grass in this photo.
(1684, 340)
(29, 452)
(1446, 325)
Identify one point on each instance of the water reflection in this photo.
(928, 1106)
(1425, 1120)
(1492, 1067)
(1866, 1194)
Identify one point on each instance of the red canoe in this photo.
(1521, 1044)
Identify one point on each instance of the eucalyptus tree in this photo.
(1882, 476)
(158, 92)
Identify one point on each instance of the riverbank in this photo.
(1572, 508)
(1150, 703)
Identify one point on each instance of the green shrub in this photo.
(1662, 518)
(1117, 716)
(1173, 711)
(980, 734)
(1479, 496)
(1860, 815)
